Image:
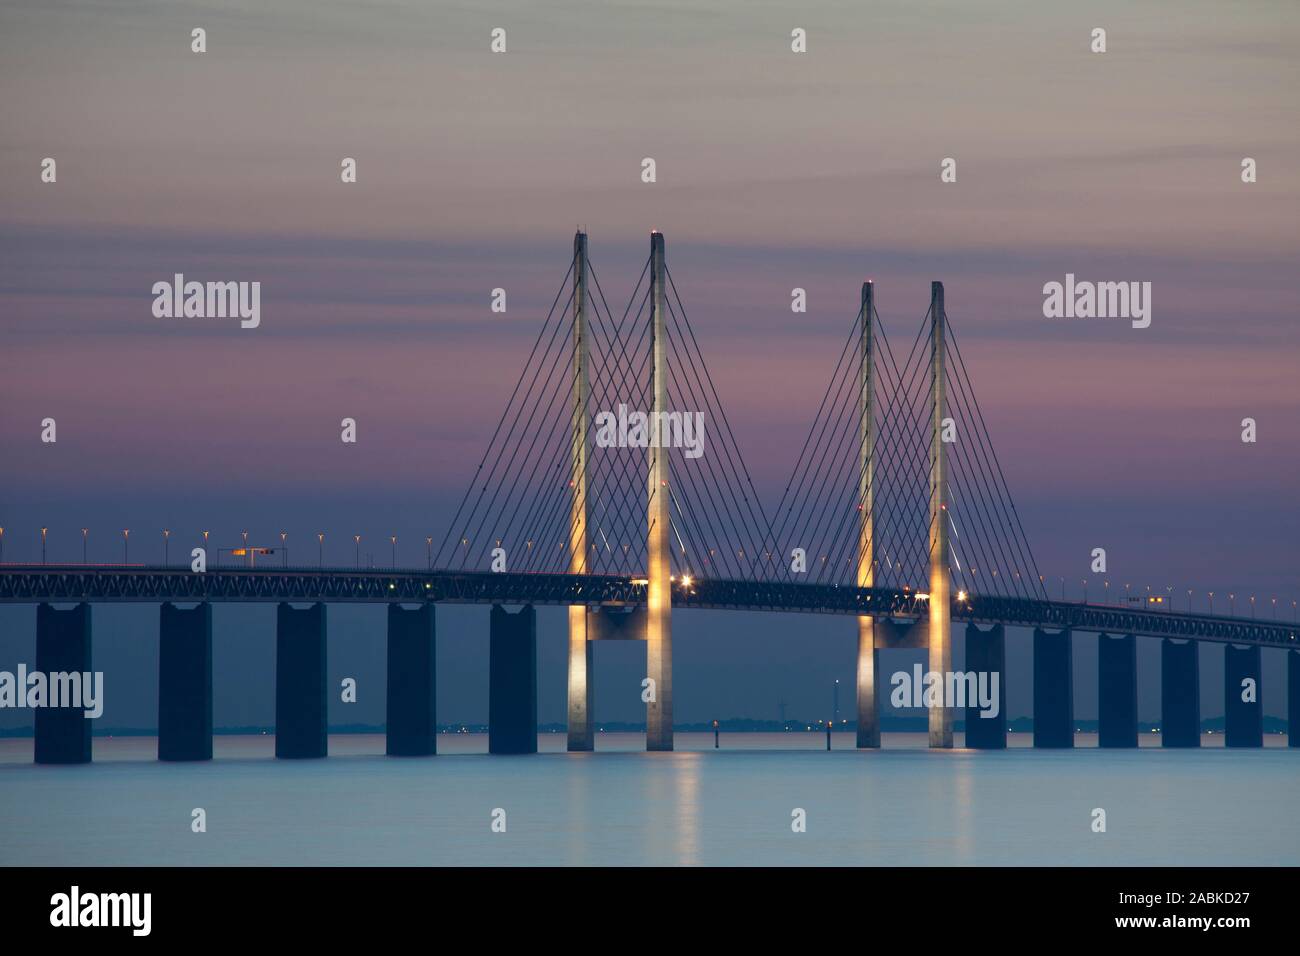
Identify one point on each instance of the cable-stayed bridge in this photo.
(613, 485)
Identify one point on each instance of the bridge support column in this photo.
(581, 682)
(1053, 689)
(412, 667)
(1293, 698)
(1180, 694)
(581, 737)
(659, 589)
(63, 646)
(1117, 691)
(1244, 718)
(301, 728)
(868, 685)
(185, 682)
(940, 602)
(512, 690)
(868, 712)
(986, 652)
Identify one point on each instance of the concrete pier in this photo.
(412, 712)
(1117, 691)
(512, 681)
(1244, 718)
(1293, 698)
(185, 682)
(300, 696)
(1053, 689)
(63, 646)
(1180, 694)
(986, 652)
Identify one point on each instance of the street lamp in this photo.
(394, 540)
(284, 552)
(2, 545)
(84, 532)
(166, 540)
(357, 539)
(1232, 604)
(1252, 607)
(126, 545)
(428, 548)
(1211, 602)
(320, 541)
(43, 530)
(248, 558)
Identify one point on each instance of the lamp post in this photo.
(166, 540)
(205, 546)
(284, 552)
(394, 540)
(320, 541)
(2, 545)
(357, 539)
(43, 530)
(428, 549)
(84, 532)
(126, 545)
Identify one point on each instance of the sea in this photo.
(769, 799)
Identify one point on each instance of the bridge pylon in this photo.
(580, 658)
(940, 602)
(659, 595)
(868, 715)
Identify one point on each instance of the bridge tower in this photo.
(659, 595)
(580, 663)
(940, 577)
(868, 716)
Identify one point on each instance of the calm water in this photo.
(898, 806)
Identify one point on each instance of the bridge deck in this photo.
(32, 584)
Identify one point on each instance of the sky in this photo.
(775, 170)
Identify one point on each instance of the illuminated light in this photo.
(686, 580)
(961, 595)
(923, 595)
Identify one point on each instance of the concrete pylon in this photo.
(659, 593)
(581, 686)
(63, 646)
(868, 713)
(185, 682)
(940, 577)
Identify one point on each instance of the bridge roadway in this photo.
(110, 584)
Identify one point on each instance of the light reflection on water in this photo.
(898, 806)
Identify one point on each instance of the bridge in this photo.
(600, 492)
